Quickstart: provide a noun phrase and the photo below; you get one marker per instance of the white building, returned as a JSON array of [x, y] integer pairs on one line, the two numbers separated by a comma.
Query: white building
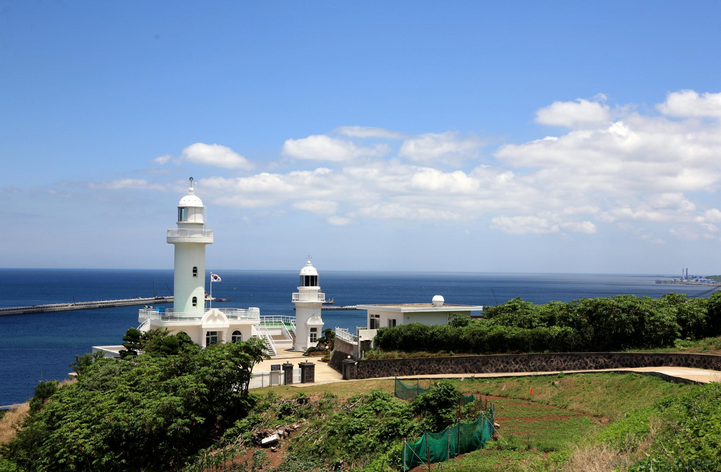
[[189, 314], [391, 315], [308, 302]]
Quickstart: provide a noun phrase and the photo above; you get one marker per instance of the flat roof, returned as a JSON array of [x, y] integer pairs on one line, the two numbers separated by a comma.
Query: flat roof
[[419, 307]]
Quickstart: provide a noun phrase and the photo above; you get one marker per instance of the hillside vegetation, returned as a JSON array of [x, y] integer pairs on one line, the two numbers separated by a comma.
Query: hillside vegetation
[[153, 411], [548, 423], [590, 325]]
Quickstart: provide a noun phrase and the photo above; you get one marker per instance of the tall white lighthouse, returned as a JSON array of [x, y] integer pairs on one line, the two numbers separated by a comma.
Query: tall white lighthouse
[[308, 301], [190, 239]]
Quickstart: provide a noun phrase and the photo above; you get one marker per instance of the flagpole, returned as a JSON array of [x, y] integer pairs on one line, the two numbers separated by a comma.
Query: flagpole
[[210, 302]]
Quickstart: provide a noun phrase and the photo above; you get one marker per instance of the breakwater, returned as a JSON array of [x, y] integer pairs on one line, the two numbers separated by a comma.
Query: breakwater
[[53, 307]]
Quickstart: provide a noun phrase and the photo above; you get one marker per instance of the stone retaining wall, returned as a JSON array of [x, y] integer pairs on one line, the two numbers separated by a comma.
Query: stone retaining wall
[[507, 363], [336, 360]]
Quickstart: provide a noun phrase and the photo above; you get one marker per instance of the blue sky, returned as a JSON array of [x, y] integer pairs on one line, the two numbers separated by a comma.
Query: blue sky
[[423, 136]]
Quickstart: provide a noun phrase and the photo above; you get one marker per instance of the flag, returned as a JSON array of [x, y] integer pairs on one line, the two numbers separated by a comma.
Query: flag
[[215, 278]]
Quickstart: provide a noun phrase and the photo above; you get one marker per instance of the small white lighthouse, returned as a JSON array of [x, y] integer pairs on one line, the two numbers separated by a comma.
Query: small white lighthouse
[[190, 239], [308, 301]]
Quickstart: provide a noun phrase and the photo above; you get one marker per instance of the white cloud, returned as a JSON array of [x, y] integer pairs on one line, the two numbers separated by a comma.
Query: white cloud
[[523, 225], [687, 103], [627, 213], [713, 215], [580, 227], [164, 159], [321, 207], [394, 211], [644, 174], [338, 221], [214, 155], [433, 147], [579, 114], [325, 148], [368, 132]]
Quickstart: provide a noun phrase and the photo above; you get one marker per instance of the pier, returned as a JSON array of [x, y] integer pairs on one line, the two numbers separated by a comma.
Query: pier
[[32, 309]]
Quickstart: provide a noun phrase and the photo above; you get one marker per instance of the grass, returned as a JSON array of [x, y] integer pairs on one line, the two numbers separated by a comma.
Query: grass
[[10, 420], [551, 429], [605, 395], [701, 346]]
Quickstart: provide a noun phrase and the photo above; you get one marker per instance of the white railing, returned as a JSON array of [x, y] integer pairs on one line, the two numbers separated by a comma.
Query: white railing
[[241, 313], [169, 315], [190, 233], [286, 332], [277, 320], [309, 297], [345, 335], [263, 331]]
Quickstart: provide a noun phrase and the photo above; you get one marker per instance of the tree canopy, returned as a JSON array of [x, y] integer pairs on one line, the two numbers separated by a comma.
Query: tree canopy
[[151, 411]]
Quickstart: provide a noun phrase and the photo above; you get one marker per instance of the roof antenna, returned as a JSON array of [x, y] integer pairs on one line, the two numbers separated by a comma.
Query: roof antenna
[[494, 296]]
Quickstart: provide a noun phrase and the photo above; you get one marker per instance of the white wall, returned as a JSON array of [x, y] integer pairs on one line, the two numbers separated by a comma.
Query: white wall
[[427, 318], [186, 286]]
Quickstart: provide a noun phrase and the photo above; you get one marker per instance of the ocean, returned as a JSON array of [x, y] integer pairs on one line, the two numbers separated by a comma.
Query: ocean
[[41, 347]]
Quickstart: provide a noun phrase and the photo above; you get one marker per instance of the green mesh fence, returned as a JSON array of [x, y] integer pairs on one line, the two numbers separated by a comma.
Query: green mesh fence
[[409, 392], [466, 399], [451, 442]]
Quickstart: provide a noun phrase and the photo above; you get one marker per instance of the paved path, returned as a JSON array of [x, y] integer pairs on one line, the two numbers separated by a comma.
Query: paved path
[[685, 373], [325, 374]]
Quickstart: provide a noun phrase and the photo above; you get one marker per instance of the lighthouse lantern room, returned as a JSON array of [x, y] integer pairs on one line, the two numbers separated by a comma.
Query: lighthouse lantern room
[[308, 302]]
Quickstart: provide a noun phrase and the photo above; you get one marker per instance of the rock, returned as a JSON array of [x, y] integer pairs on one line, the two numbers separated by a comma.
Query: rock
[[270, 440]]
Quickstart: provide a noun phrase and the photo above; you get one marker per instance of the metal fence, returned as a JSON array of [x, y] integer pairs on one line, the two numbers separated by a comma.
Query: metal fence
[[263, 379]]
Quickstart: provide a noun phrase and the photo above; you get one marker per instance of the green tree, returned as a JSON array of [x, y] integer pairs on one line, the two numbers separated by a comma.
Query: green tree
[[82, 363], [132, 343], [440, 406], [151, 414]]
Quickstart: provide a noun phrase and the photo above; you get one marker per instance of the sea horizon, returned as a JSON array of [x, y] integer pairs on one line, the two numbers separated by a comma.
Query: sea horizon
[[389, 272]]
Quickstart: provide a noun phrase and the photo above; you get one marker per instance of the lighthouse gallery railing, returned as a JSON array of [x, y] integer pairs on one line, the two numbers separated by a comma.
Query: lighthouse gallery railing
[[169, 315]]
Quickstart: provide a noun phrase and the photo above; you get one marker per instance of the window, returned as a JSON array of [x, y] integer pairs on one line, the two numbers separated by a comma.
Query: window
[[308, 280], [211, 337], [313, 335], [182, 214], [195, 271], [195, 301], [375, 322], [236, 336], [391, 322]]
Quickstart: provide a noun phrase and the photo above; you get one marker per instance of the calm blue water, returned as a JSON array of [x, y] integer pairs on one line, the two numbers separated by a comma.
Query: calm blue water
[[41, 347]]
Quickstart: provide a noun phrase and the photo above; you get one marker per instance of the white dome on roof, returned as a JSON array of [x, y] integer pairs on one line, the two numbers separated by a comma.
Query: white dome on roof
[[308, 269], [191, 200], [438, 300]]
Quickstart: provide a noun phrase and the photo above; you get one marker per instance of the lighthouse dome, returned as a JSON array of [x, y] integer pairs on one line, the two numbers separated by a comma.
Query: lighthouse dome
[[191, 200], [308, 269]]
